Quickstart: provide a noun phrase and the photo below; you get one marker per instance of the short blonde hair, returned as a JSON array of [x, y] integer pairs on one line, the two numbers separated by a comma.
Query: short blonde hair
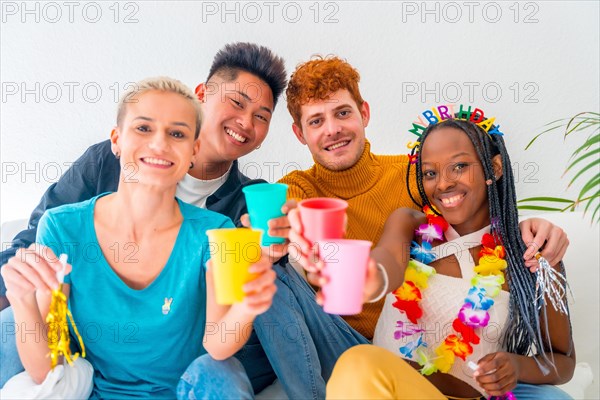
[[162, 84]]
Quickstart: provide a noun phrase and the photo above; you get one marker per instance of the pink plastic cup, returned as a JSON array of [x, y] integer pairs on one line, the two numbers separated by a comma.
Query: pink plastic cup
[[323, 218], [346, 264]]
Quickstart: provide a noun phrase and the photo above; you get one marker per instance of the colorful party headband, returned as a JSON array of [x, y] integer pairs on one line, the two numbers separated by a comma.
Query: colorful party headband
[[443, 112]]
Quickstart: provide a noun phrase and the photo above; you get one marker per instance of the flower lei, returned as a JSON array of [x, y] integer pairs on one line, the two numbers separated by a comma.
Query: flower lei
[[487, 284]]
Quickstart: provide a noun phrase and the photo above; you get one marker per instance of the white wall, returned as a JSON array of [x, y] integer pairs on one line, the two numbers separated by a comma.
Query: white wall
[[552, 60], [544, 57]]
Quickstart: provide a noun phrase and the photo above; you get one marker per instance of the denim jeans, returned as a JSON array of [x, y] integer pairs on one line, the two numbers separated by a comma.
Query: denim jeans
[[525, 391], [10, 363], [208, 379], [301, 341], [229, 379], [298, 340]]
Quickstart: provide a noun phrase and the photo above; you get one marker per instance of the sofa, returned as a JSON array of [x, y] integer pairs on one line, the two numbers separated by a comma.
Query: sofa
[[583, 271]]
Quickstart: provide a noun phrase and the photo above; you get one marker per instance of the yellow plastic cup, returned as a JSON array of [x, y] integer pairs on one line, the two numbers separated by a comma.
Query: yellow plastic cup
[[232, 251]]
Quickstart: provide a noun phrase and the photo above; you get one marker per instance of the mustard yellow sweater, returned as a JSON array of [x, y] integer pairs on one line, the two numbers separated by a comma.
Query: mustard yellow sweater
[[374, 187]]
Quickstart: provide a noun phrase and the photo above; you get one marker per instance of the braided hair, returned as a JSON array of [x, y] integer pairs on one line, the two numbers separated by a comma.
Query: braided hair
[[523, 334]]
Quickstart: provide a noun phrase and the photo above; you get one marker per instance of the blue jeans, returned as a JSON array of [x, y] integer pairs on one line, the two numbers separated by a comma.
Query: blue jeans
[[208, 379], [10, 363], [299, 342], [525, 391]]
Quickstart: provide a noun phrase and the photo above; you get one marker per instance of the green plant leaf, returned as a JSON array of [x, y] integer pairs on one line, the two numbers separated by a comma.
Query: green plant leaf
[[583, 157], [552, 199], [587, 121], [586, 124], [581, 171], [585, 127], [557, 120], [588, 143], [594, 215], [581, 115], [539, 208], [540, 134], [590, 201], [592, 121], [590, 185], [581, 118]]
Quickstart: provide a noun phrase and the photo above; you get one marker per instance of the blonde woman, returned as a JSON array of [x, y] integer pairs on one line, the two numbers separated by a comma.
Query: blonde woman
[[136, 280]]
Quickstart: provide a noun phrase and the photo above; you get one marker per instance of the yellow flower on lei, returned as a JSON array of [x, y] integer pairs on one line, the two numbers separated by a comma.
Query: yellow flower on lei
[[419, 278], [490, 265], [445, 358]]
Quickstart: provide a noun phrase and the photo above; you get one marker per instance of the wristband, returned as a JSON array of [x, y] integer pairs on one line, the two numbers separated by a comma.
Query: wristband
[[386, 283]]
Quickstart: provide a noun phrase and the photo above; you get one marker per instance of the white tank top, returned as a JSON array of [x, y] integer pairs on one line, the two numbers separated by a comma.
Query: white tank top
[[441, 302]]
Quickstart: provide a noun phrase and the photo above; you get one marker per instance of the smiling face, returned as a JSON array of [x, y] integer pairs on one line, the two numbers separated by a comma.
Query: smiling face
[[334, 130], [155, 138], [237, 115], [454, 181]]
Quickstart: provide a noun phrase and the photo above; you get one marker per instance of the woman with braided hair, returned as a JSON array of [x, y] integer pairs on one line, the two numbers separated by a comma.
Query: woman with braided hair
[[475, 321]]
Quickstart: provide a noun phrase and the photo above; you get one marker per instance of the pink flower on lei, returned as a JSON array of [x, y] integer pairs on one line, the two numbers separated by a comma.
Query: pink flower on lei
[[429, 233], [472, 317], [404, 330]]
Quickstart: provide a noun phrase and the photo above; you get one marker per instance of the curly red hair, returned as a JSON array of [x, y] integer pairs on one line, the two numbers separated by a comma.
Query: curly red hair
[[317, 79]]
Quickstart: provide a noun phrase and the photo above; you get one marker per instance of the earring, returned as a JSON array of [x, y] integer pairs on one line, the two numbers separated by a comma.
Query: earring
[[258, 147], [117, 155], [191, 165], [198, 94], [489, 181]]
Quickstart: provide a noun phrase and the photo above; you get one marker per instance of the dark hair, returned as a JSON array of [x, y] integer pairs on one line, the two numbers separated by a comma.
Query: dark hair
[[252, 58], [524, 333]]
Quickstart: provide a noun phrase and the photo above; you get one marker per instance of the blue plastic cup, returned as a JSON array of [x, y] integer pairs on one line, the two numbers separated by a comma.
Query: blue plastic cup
[[264, 201]]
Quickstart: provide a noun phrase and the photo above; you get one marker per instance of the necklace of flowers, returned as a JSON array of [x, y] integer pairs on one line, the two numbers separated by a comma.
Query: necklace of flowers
[[474, 313]]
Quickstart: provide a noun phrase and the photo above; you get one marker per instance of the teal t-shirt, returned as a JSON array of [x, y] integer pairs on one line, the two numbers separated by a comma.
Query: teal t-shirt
[[139, 341]]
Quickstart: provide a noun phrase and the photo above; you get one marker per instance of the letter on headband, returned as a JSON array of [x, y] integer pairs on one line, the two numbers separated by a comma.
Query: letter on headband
[[443, 112]]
